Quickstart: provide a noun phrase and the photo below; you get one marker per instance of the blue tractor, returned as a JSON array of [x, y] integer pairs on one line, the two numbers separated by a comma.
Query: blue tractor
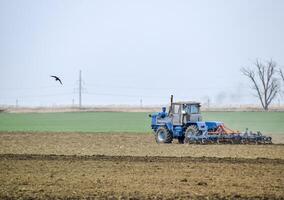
[[184, 122]]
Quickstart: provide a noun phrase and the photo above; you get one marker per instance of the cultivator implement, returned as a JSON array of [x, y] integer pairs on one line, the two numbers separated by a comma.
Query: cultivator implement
[[224, 135], [256, 138]]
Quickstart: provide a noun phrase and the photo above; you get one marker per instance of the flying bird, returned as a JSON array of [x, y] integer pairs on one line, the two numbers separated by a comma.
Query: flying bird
[[57, 79]]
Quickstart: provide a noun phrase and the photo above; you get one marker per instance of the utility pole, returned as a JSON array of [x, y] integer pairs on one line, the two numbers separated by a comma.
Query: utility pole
[[17, 103], [80, 89], [141, 103], [208, 102]]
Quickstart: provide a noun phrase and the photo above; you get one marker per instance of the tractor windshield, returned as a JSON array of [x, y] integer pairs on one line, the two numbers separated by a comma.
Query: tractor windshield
[[192, 109]]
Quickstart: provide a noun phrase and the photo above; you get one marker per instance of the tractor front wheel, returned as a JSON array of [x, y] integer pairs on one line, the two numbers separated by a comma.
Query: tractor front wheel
[[163, 135]]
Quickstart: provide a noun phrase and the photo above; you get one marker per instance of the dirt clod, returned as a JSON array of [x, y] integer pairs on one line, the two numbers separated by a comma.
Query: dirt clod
[[183, 180], [203, 183]]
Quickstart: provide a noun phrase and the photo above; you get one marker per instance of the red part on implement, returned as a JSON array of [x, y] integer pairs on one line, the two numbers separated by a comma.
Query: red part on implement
[[222, 129]]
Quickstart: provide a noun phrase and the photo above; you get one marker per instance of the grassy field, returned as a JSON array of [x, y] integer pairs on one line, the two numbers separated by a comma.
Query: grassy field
[[268, 122]]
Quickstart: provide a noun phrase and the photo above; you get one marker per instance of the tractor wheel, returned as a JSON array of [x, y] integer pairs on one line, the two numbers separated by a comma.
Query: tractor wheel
[[191, 130], [163, 135]]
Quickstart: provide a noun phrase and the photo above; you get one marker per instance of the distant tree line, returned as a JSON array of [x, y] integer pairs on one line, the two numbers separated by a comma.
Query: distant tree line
[[266, 79]]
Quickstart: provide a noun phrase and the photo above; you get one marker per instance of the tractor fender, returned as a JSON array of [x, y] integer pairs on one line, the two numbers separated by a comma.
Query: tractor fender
[[201, 126], [170, 126]]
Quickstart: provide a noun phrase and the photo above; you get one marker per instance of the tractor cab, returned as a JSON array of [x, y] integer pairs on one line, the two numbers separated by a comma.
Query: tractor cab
[[185, 112]]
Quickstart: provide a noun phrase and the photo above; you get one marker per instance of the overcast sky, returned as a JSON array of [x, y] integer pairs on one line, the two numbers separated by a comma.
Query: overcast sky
[[128, 50]]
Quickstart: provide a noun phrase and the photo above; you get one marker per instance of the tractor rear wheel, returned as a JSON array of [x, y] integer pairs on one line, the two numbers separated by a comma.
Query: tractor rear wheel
[[163, 135], [191, 130]]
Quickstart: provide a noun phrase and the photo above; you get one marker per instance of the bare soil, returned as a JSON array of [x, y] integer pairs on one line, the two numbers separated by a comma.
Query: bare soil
[[124, 166], [124, 144]]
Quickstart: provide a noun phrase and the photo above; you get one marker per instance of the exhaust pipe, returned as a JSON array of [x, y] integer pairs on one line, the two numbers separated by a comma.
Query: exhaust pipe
[[172, 98]]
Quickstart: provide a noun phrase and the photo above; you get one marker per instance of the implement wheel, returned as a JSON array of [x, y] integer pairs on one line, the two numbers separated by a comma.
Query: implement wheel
[[268, 140], [162, 135], [190, 131]]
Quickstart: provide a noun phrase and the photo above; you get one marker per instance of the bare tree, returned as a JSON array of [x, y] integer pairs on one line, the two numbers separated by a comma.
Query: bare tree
[[282, 83], [281, 74], [265, 82]]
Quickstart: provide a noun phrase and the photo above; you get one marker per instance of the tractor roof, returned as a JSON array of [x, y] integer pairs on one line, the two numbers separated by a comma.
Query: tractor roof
[[186, 102]]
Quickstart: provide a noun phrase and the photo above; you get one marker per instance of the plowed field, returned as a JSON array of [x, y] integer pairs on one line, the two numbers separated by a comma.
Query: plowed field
[[129, 166]]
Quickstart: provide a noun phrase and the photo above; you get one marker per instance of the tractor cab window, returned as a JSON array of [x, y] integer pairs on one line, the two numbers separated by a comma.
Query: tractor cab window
[[194, 109], [176, 109], [187, 109], [191, 109]]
